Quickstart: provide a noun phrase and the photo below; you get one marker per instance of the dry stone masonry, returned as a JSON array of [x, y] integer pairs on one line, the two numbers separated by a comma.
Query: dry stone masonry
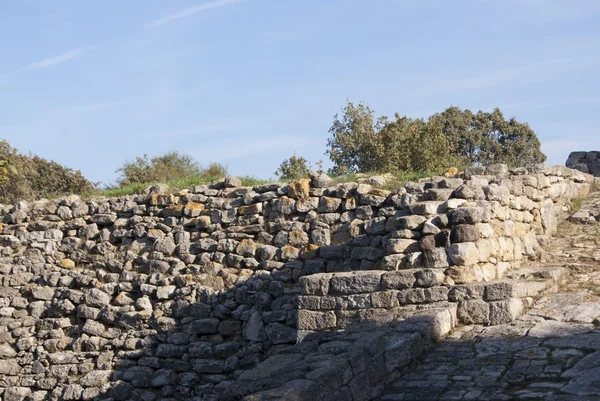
[[201, 294], [551, 353], [588, 162]]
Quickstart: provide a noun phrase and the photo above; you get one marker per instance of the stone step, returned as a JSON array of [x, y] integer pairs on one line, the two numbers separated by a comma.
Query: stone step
[[335, 301], [354, 364]]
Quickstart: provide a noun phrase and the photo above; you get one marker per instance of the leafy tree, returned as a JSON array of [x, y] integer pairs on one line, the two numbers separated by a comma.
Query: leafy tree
[[26, 177], [414, 145], [355, 143], [5, 170], [486, 138], [359, 142]]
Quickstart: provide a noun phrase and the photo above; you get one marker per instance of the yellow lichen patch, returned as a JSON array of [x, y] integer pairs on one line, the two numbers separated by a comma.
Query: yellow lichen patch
[[67, 264], [173, 210], [246, 247], [163, 199], [309, 251], [250, 209], [203, 221], [193, 209], [298, 238], [289, 252], [328, 204], [379, 192], [155, 233], [299, 189], [452, 172], [1, 227]]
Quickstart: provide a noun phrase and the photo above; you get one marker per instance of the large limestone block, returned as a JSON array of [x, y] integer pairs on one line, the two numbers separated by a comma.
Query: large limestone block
[[463, 254], [465, 233], [316, 321], [356, 282], [398, 279], [399, 245], [436, 258], [473, 312], [299, 189], [469, 215], [315, 284], [505, 311]]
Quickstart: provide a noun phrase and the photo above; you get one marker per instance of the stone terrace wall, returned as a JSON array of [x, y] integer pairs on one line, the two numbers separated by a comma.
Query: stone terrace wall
[[451, 253], [159, 295], [588, 162]]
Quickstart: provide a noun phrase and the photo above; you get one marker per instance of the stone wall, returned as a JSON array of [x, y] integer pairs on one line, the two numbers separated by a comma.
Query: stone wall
[[174, 296], [588, 162]]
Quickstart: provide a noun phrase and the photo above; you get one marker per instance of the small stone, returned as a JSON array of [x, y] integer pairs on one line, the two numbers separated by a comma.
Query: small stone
[[255, 329]]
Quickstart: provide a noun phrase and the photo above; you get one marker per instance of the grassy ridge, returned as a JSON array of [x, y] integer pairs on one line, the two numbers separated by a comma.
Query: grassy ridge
[[394, 183], [174, 186]]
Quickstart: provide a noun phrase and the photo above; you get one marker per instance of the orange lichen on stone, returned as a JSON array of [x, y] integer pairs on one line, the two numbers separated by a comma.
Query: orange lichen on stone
[[310, 251], [452, 172], [250, 209], [163, 199], [193, 209], [299, 189], [298, 238], [289, 252], [379, 192]]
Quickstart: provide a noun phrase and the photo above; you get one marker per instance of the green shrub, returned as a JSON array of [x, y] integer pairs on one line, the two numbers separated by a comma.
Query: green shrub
[[168, 167], [214, 170], [296, 167], [27, 177], [293, 168]]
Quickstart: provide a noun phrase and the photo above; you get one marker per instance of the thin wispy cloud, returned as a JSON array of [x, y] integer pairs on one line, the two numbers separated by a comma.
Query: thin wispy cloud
[[526, 73], [56, 60], [191, 11]]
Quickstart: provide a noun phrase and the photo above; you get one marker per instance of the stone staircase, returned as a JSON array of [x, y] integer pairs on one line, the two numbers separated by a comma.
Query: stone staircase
[[393, 334], [335, 301], [552, 352], [360, 329]]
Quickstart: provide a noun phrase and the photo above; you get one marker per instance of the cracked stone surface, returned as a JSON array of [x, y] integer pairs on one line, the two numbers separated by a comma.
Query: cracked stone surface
[[551, 353]]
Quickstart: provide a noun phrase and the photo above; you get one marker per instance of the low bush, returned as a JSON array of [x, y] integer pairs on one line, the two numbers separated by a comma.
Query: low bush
[[28, 177]]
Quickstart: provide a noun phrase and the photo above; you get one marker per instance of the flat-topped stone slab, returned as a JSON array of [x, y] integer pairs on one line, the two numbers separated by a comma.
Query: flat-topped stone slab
[[354, 364]]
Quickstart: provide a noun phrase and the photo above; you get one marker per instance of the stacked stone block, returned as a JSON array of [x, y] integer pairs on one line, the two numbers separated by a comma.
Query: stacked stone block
[[176, 295], [588, 162]]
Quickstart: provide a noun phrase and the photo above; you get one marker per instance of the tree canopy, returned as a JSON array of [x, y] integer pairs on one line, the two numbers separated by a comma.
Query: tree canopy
[[359, 142]]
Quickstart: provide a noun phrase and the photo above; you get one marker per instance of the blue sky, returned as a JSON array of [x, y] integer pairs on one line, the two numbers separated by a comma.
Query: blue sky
[[92, 83]]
